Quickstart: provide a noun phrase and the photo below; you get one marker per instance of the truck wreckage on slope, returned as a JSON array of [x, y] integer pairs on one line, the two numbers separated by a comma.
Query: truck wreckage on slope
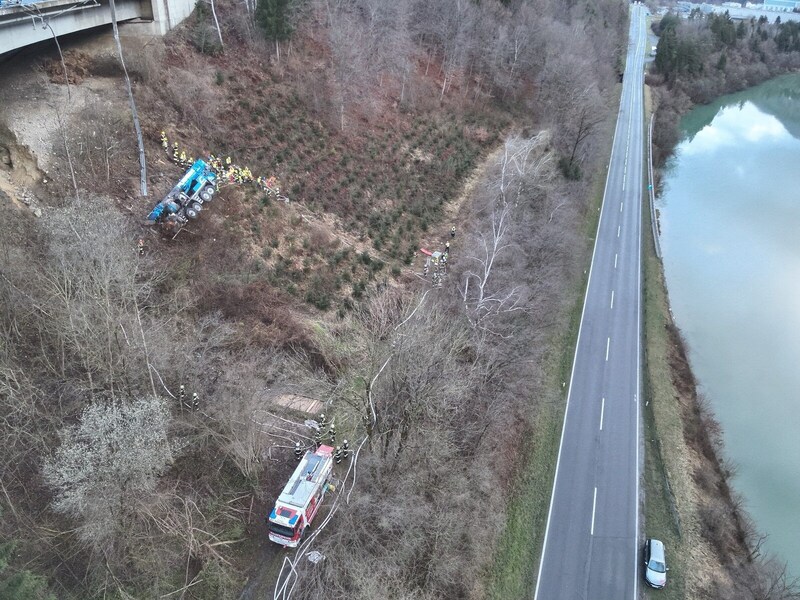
[[199, 184], [186, 199]]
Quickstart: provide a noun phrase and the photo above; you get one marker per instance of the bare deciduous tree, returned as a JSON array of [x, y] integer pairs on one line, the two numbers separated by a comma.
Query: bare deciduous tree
[[349, 48], [216, 24], [91, 291], [520, 165], [771, 580], [481, 302], [572, 98], [513, 49]]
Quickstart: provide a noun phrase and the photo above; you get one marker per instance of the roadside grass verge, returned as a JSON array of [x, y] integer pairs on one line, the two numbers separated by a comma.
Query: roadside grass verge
[[664, 481], [517, 555], [519, 549]]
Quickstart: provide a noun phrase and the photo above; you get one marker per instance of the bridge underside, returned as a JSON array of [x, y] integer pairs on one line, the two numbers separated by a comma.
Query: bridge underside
[[22, 25]]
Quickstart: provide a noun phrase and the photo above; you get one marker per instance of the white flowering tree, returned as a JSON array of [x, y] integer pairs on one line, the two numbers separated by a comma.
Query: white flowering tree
[[108, 464]]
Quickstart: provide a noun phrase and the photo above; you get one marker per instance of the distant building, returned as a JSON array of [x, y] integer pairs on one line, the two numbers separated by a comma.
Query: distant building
[[781, 5], [752, 10]]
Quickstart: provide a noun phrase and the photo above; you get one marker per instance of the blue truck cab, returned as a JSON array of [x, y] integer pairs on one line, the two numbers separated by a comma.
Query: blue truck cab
[[185, 200]]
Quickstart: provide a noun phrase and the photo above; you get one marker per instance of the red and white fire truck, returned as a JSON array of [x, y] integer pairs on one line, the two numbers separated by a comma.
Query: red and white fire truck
[[301, 498]]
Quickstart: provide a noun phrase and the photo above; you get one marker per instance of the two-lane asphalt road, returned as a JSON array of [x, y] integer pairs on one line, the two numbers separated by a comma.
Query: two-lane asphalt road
[[591, 543]]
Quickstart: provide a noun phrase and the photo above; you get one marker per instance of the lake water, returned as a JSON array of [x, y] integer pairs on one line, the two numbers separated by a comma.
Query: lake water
[[730, 224]]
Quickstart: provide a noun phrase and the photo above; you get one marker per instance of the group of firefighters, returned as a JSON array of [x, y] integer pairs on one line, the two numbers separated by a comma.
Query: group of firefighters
[[225, 170], [438, 261], [340, 452], [193, 404]]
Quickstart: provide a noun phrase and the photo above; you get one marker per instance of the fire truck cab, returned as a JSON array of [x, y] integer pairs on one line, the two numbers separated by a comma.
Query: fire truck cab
[[301, 498]]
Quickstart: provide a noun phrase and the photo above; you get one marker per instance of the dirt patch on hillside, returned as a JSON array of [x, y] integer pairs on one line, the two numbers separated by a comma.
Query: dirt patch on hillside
[[16, 161], [38, 108], [77, 65], [304, 404], [19, 173]]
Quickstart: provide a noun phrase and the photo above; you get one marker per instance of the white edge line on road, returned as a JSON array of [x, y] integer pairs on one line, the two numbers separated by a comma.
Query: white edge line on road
[[608, 346], [612, 299], [574, 360], [602, 412], [594, 506]]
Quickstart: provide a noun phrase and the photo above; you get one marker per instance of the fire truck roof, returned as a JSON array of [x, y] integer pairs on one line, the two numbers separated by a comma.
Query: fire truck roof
[[305, 479]]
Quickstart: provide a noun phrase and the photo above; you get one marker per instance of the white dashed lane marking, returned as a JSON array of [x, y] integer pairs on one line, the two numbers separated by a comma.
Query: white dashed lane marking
[[602, 412]]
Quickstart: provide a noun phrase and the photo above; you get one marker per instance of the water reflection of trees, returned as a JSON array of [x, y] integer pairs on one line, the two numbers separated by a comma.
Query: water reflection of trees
[[779, 97]]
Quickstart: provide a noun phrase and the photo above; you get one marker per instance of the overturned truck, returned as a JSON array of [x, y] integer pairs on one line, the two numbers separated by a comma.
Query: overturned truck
[[186, 199]]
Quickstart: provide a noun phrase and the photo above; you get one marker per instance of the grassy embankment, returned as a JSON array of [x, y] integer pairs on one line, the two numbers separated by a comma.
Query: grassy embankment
[[663, 426], [662, 422]]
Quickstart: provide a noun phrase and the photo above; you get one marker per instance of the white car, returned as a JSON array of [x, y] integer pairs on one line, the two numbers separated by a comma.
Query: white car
[[655, 564]]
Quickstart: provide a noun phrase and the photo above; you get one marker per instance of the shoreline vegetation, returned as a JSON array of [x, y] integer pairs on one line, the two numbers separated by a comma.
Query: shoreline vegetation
[[703, 57], [716, 548]]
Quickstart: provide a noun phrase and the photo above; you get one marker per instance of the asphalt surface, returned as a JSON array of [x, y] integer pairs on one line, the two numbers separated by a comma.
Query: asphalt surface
[[591, 545]]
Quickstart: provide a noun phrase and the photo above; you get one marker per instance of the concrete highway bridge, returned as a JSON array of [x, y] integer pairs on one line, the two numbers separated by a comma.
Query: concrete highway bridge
[[25, 22]]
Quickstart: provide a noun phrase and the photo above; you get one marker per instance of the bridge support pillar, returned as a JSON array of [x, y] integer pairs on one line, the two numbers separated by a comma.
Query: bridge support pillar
[[168, 14]]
